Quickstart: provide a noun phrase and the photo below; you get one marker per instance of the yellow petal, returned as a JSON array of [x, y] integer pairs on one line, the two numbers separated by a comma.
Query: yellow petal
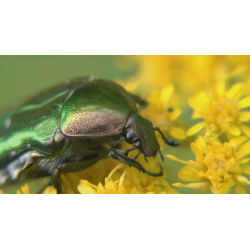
[[195, 164], [240, 189], [84, 189], [241, 154], [200, 142], [234, 130], [197, 151], [211, 140], [196, 128], [245, 129], [200, 102], [244, 160], [220, 88], [245, 147], [244, 116], [110, 187], [224, 189], [242, 180], [236, 141], [174, 158], [50, 190], [188, 173], [196, 115], [171, 191], [243, 150], [100, 189], [233, 91], [87, 183], [174, 114], [25, 189], [195, 185], [134, 191], [166, 94], [243, 103], [178, 184], [177, 133], [1, 191], [245, 169]]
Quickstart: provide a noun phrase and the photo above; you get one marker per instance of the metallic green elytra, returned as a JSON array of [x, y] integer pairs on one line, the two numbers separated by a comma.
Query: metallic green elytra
[[72, 126]]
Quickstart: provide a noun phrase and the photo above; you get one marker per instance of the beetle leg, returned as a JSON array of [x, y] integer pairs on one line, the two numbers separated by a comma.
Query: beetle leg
[[170, 142], [71, 167], [12, 170], [137, 155], [161, 155], [132, 163], [129, 150]]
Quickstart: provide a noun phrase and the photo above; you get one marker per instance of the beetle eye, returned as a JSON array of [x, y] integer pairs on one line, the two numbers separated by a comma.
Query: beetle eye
[[130, 138]]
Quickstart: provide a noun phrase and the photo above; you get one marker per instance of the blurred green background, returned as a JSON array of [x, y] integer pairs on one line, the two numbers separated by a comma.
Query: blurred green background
[[23, 76]]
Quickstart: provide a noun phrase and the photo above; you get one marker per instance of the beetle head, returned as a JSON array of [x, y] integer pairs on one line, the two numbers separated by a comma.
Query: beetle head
[[140, 132]]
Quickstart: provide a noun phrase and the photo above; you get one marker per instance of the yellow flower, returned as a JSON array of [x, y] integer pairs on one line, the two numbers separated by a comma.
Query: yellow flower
[[50, 190], [130, 182], [147, 184], [160, 112], [1, 191], [189, 74], [93, 174], [24, 190], [110, 187], [218, 166], [221, 110]]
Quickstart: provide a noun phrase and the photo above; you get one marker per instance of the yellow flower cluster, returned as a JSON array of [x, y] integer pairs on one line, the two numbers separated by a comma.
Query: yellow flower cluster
[[130, 182], [189, 74], [217, 89], [222, 111], [218, 166]]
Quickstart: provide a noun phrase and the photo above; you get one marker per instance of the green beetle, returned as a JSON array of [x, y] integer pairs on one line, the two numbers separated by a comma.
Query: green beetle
[[71, 127]]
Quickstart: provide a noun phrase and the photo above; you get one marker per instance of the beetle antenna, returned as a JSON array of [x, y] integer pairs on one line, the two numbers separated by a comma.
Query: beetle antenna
[[145, 158], [161, 155], [170, 142]]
